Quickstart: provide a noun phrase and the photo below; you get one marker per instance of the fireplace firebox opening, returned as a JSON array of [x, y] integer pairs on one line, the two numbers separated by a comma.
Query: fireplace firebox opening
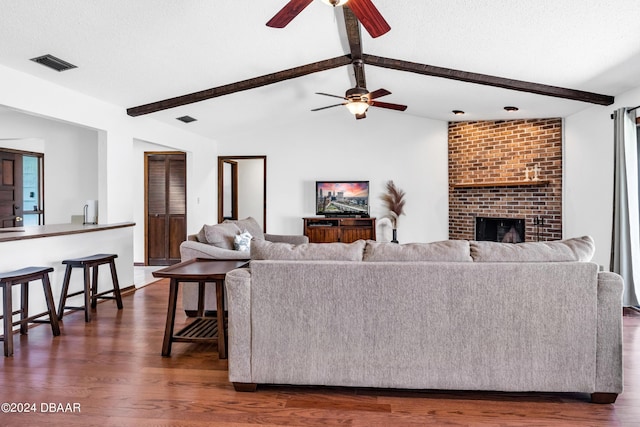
[[505, 230]]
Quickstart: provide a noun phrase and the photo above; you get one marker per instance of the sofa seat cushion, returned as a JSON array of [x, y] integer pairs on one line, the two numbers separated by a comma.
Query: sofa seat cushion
[[220, 235], [575, 249], [265, 250], [448, 250]]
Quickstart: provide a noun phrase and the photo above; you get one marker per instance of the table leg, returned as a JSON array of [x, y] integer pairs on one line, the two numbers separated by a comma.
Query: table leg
[[200, 299], [222, 336], [171, 317]]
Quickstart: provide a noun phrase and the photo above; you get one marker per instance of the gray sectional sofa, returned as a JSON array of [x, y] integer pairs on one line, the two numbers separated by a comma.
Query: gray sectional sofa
[[455, 315], [219, 241]]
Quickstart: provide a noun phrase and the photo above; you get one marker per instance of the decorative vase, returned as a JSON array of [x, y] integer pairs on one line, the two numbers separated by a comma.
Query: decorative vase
[[395, 236]]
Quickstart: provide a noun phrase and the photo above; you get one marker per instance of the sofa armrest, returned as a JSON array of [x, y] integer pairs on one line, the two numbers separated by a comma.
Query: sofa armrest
[[609, 334], [284, 238], [238, 288], [190, 250]]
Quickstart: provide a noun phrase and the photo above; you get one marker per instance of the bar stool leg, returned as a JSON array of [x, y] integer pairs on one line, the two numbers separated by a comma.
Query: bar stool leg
[[7, 320], [65, 290], [48, 294], [24, 308], [87, 294], [94, 286], [116, 284]]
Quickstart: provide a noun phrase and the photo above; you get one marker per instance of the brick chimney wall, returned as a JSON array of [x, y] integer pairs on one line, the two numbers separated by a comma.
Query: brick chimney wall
[[487, 162]]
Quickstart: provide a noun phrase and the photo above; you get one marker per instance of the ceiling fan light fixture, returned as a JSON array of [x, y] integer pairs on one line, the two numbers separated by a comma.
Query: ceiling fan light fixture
[[335, 3], [458, 112], [510, 109], [357, 107]]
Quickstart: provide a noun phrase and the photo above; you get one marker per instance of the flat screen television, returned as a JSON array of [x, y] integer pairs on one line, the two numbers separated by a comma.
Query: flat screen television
[[342, 198]]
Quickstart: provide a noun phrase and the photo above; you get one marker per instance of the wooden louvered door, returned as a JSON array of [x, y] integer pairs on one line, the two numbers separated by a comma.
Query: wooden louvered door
[[166, 206]]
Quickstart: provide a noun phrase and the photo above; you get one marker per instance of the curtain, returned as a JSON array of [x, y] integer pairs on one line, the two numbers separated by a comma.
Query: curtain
[[625, 242]]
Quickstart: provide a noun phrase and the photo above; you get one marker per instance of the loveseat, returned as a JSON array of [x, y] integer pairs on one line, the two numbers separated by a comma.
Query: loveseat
[[227, 240], [453, 315]]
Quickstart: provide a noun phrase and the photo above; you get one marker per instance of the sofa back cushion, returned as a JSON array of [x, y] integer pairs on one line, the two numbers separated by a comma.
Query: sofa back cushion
[[265, 250], [220, 235], [249, 224], [576, 249], [448, 250]]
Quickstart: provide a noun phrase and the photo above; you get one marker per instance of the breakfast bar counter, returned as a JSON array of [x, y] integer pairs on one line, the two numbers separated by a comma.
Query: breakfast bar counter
[[38, 231], [49, 245]]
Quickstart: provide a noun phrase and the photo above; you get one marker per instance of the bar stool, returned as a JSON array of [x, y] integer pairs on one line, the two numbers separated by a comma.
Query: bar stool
[[23, 277], [90, 265]]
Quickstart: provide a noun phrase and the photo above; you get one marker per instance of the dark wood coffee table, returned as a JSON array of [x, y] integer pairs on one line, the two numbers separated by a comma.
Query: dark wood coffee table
[[202, 328]]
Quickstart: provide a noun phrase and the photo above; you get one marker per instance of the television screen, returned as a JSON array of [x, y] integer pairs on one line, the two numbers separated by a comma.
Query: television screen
[[346, 198]]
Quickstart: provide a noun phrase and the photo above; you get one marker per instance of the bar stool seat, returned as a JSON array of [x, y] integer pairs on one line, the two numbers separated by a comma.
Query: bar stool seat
[[90, 266], [23, 277]]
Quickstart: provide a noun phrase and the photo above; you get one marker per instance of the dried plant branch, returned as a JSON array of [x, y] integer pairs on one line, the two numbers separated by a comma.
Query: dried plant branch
[[394, 201]]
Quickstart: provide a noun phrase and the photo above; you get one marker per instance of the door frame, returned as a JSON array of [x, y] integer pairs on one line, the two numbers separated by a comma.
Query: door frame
[[234, 189], [19, 211]]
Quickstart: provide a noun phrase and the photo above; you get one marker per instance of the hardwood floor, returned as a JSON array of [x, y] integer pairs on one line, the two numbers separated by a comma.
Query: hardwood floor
[[112, 370]]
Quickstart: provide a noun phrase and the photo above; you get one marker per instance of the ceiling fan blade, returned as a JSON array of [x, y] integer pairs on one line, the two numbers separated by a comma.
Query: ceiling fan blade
[[397, 107], [369, 17], [379, 93], [361, 116], [328, 106], [287, 13], [328, 94]]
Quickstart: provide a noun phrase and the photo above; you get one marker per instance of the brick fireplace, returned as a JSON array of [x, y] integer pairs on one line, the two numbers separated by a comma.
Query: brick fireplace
[[506, 170]]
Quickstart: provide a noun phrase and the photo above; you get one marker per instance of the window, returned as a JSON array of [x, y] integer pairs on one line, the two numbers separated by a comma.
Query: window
[[33, 210]]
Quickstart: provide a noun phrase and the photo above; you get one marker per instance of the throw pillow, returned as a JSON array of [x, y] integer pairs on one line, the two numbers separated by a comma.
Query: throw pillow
[[201, 236], [250, 224], [445, 251], [263, 250], [242, 241], [221, 235], [575, 249]]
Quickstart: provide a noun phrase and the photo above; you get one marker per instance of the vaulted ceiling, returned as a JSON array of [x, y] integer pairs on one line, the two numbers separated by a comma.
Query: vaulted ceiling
[[131, 53]]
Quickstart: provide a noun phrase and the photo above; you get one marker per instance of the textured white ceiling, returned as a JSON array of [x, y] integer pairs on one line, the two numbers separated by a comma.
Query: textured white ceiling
[[135, 52]]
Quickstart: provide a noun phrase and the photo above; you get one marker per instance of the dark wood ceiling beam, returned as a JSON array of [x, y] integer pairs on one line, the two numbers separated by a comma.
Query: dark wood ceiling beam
[[353, 33], [352, 26], [488, 80], [252, 83]]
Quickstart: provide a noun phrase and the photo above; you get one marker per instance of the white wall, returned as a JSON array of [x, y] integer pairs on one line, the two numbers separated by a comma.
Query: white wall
[[411, 151], [71, 161], [117, 160], [251, 189], [588, 185]]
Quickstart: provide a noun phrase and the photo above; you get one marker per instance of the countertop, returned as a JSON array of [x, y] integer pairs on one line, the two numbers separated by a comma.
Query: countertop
[[39, 231]]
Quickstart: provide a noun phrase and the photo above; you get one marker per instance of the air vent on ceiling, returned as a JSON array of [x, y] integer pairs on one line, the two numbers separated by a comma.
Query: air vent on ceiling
[[53, 62], [186, 119]]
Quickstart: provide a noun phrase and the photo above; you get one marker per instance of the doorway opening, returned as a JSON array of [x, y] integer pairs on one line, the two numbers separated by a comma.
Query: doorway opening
[[242, 188]]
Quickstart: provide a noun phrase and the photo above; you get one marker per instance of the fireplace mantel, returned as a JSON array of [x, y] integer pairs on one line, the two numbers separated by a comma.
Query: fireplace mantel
[[529, 183]]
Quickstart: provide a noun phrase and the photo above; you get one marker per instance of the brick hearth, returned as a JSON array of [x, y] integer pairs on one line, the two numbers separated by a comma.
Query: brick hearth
[[487, 162]]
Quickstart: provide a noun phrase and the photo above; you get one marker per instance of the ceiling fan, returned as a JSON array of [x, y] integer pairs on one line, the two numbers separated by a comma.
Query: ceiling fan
[[359, 99], [364, 10]]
